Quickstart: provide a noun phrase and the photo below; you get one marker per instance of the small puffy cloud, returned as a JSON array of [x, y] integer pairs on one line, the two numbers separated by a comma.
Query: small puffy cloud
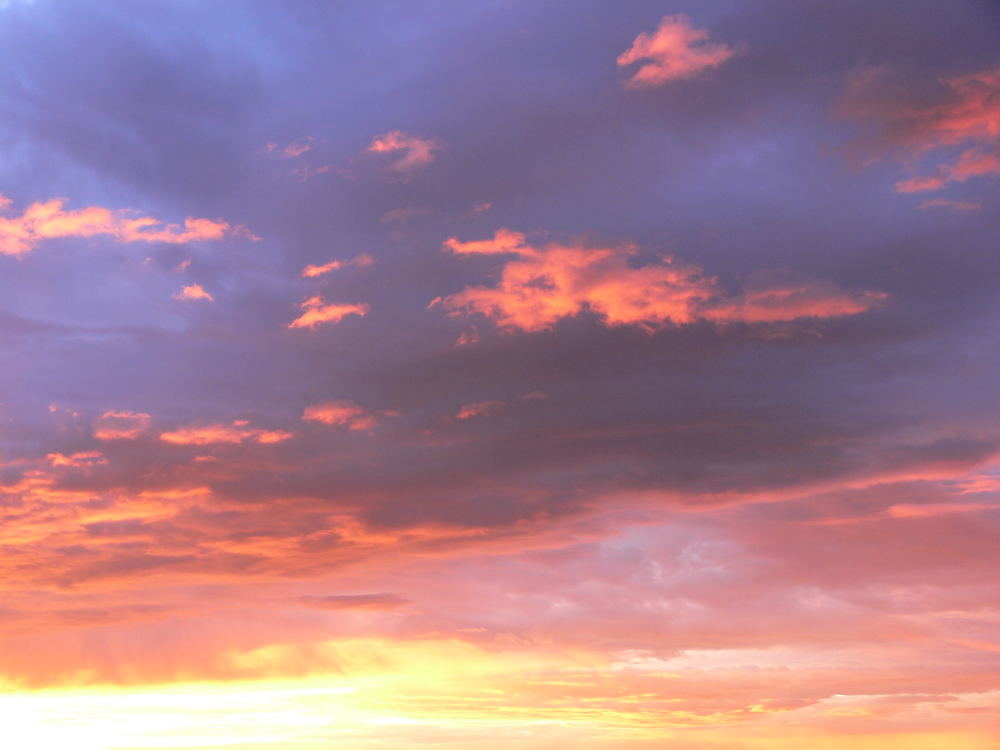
[[236, 432], [193, 292], [358, 261], [539, 286], [960, 113], [316, 311], [341, 413], [478, 409], [50, 220], [676, 50], [121, 425], [414, 152]]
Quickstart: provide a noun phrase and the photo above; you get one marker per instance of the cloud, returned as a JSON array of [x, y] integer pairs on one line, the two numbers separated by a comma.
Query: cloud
[[416, 152], [82, 459], [121, 425], [782, 296], [209, 434], [49, 220], [343, 413], [317, 311], [915, 119], [293, 149], [193, 292], [359, 261], [354, 601], [542, 285], [959, 206], [676, 50], [478, 409]]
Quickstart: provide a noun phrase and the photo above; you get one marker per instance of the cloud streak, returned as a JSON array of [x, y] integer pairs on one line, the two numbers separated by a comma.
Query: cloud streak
[[540, 286], [47, 220]]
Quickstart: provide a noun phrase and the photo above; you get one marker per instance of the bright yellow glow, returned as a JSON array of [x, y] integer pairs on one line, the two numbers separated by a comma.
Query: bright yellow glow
[[379, 693]]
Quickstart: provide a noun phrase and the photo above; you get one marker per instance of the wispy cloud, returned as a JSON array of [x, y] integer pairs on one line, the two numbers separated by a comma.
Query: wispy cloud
[[236, 432], [50, 220], [415, 153], [915, 121], [121, 425], [316, 311], [359, 261]]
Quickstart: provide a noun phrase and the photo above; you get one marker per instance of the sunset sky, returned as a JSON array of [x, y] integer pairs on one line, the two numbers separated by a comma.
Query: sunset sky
[[500, 374]]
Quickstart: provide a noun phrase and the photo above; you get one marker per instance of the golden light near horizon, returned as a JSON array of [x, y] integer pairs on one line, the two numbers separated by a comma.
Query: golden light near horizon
[[387, 374]]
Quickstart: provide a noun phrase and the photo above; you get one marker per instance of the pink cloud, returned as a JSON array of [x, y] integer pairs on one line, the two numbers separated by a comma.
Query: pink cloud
[[49, 220], [193, 292], [478, 409], [359, 261], [540, 285], [237, 432], [781, 296], [297, 147], [316, 311], [676, 50], [121, 425], [415, 152], [341, 413], [963, 111]]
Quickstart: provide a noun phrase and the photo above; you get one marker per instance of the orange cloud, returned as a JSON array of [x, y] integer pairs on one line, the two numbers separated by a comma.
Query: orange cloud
[[780, 296], [541, 285], [344, 413], [83, 459], [312, 271], [49, 220], [964, 112], [316, 311], [237, 432], [416, 152], [676, 50], [193, 292], [121, 425]]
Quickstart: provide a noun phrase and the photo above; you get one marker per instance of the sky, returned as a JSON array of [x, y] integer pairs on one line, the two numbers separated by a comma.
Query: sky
[[500, 375]]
